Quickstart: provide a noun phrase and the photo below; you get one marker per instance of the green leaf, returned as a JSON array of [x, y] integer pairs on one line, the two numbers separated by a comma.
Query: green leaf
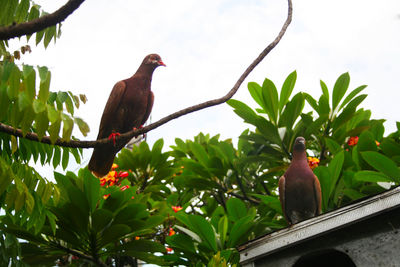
[[348, 112], [287, 89], [45, 77], [268, 130], [366, 142], [190, 233], [332, 145], [323, 106], [53, 114], [41, 124], [91, 187], [101, 218], [352, 95], [292, 111], [390, 147], [324, 89], [6, 176], [69, 105], [223, 229], [29, 81], [371, 176], [270, 100], [50, 33], [339, 89], [54, 129], [240, 231], [83, 126], [23, 101], [68, 125], [56, 156], [382, 164], [313, 103], [204, 230], [256, 93], [353, 194], [200, 153], [244, 111], [324, 178], [143, 246], [33, 13], [14, 80], [182, 242], [65, 158], [236, 209], [271, 201], [335, 168], [22, 11], [114, 233], [29, 202]]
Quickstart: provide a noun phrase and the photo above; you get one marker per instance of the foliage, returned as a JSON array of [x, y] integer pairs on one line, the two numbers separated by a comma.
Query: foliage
[[191, 205]]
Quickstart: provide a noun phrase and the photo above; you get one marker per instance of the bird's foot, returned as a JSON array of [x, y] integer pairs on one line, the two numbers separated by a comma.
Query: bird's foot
[[140, 127], [113, 136]]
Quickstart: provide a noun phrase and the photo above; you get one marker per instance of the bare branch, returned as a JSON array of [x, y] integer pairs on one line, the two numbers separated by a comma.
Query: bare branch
[[128, 135], [41, 23]]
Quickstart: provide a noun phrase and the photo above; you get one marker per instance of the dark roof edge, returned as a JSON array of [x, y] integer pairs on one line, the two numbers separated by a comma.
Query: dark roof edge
[[319, 225]]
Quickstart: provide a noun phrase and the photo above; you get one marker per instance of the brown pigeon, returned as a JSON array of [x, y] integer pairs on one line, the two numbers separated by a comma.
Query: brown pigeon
[[299, 188], [128, 107]]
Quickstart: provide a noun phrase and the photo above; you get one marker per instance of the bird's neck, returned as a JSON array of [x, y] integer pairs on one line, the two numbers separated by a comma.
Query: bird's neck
[[299, 156], [146, 70]]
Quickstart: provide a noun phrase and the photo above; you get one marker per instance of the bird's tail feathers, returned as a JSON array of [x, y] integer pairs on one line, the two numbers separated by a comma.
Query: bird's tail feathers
[[101, 162]]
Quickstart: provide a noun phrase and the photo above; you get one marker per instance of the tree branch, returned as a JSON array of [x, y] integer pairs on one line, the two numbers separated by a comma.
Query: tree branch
[[41, 23], [128, 135]]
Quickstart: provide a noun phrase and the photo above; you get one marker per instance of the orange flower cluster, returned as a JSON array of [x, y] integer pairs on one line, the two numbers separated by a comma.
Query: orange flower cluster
[[113, 177], [176, 208], [353, 140], [313, 162], [171, 231]]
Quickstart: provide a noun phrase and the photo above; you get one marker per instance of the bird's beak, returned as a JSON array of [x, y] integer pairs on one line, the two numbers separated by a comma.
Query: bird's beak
[[160, 63]]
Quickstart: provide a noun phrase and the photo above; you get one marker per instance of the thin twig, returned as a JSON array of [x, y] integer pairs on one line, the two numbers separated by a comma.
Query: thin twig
[[129, 135], [41, 23], [254, 201]]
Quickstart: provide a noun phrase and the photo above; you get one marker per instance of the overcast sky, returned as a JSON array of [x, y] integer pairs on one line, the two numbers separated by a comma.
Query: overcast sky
[[208, 44]]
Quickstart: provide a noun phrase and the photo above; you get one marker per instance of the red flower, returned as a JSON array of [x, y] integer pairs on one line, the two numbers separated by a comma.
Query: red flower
[[171, 232], [377, 143], [313, 162], [124, 187], [176, 208], [169, 249], [106, 196], [352, 141], [123, 174]]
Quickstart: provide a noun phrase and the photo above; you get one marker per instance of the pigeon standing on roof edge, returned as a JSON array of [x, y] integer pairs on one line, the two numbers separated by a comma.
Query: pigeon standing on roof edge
[[299, 188]]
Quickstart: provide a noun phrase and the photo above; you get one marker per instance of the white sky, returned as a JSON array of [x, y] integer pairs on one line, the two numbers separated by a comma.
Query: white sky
[[208, 44]]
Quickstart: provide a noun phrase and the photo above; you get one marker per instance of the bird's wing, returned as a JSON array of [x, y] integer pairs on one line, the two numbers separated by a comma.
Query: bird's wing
[[110, 110], [150, 102], [282, 195], [317, 193]]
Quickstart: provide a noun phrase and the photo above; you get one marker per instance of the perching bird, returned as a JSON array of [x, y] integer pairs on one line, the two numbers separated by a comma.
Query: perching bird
[[299, 188], [128, 106]]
